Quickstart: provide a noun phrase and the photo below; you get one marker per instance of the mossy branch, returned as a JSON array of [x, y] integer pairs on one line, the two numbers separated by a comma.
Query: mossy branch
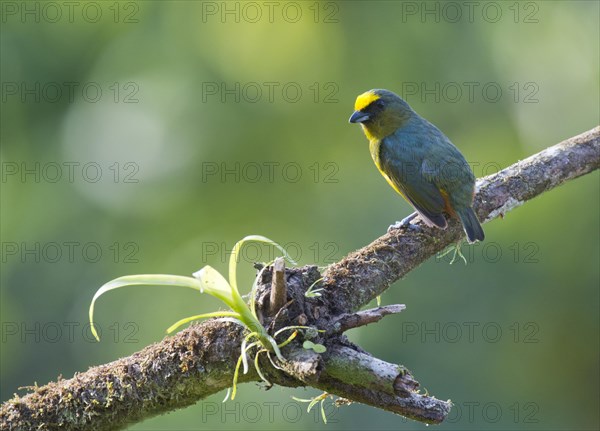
[[200, 360]]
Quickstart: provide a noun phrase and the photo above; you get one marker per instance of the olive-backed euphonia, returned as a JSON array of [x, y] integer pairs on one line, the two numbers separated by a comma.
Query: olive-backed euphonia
[[418, 161]]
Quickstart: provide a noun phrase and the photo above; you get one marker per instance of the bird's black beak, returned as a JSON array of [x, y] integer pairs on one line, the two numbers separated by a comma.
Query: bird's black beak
[[358, 117]]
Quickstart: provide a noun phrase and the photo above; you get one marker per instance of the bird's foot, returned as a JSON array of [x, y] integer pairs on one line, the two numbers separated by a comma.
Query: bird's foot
[[405, 223]]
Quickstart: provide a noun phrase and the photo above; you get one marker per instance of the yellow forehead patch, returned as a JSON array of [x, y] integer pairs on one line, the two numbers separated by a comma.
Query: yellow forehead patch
[[365, 100]]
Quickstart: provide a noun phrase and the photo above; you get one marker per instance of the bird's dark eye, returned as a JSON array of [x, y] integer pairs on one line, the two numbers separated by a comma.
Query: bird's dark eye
[[379, 103]]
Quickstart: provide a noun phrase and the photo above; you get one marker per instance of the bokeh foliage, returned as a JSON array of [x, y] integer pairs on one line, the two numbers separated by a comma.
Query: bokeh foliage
[[208, 172]]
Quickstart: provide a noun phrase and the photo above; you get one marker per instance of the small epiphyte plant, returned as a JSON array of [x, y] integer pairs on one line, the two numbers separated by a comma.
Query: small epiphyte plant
[[457, 252], [313, 402], [208, 280], [311, 292], [318, 348]]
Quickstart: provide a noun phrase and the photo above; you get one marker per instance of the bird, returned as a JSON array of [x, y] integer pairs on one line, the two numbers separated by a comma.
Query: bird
[[418, 161]]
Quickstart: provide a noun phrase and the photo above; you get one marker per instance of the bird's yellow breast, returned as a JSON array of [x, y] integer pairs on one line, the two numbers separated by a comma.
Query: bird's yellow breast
[[375, 148], [371, 136]]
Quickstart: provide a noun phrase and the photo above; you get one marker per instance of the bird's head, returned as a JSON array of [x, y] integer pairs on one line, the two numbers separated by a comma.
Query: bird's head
[[380, 113]]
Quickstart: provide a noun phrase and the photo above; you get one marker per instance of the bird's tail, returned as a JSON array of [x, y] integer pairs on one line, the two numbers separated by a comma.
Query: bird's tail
[[471, 224]]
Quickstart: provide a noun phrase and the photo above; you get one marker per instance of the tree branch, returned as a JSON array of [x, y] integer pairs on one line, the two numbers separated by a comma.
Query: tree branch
[[366, 273], [349, 321], [199, 361]]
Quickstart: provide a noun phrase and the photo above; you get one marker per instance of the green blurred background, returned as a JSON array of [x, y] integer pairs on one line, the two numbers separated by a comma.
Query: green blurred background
[[148, 137]]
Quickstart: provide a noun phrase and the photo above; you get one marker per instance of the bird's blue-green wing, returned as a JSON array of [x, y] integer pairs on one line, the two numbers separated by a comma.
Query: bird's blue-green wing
[[405, 174]]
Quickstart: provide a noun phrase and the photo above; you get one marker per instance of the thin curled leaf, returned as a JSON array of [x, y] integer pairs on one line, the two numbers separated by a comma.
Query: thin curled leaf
[[236, 374], [257, 366], [302, 400], [323, 415], [137, 280], [276, 349], [273, 362], [227, 394], [240, 360], [236, 250], [288, 328], [245, 348], [312, 403]]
